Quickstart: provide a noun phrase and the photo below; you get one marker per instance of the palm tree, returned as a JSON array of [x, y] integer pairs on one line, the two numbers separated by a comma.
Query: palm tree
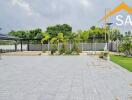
[[60, 37], [46, 38], [115, 35]]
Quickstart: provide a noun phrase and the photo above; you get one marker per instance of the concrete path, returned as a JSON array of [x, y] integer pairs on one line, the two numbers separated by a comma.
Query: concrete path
[[63, 78]]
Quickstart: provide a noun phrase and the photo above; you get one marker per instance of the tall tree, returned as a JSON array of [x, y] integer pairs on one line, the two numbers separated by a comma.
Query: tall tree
[[60, 37], [35, 34], [115, 34], [46, 38], [31, 34], [84, 35], [54, 30]]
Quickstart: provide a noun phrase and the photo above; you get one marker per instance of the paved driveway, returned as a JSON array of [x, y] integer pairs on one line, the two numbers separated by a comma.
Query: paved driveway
[[63, 78]]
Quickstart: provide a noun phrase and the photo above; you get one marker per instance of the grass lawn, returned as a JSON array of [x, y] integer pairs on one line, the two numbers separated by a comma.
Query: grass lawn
[[122, 61]]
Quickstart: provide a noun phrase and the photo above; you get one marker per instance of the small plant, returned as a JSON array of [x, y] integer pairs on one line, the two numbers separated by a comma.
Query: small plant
[[120, 49], [75, 49], [63, 49], [126, 47], [68, 52], [53, 49]]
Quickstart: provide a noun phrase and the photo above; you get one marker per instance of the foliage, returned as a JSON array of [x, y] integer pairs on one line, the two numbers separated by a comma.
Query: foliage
[[54, 45], [45, 38], [60, 37], [96, 32], [68, 52], [115, 34], [31, 34], [54, 40], [128, 34], [54, 30], [35, 34], [121, 48], [20, 34], [63, 34], [75, 49], [63, 49], [126, 46], [84, 35], [53, 49]]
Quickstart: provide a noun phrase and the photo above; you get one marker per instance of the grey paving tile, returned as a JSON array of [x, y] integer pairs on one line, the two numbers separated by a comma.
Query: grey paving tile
[[63, 78]]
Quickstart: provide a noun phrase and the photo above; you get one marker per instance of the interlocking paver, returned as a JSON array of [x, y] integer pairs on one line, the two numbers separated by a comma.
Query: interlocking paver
[[63, 78]]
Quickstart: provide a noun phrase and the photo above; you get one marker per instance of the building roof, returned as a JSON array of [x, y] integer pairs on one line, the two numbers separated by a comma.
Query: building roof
[[7, 37]]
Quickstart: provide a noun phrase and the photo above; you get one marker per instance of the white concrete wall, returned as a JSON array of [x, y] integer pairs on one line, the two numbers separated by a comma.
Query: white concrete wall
[[12, 47]]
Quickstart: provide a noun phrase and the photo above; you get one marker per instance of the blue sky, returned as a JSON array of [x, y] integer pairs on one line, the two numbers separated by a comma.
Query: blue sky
[[30, 14]]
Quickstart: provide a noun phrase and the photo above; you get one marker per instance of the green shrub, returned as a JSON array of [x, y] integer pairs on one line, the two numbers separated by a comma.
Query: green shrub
[[126, 46], [75, 49], [53, 49], [68, 52], [63, 49]]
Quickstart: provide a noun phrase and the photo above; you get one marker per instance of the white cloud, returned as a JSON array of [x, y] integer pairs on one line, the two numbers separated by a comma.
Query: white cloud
[[24, 5], [81, 14], [86, 3]]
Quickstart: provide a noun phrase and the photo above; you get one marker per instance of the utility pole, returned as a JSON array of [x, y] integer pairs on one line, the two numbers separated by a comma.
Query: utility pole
[[107, 32], [0, 49], [107, 10], [108, 41]]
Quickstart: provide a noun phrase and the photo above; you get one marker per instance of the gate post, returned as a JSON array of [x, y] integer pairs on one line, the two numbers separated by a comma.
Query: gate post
[[15, 45], [70, 45], [48, 45], [21, 45], [28, 45], [58, 45], [82, 46]]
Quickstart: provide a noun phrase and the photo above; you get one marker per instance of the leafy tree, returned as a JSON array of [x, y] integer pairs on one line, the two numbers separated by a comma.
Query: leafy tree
[[126, 46], [60, 37], [20, 34], [96, 32], [35, 34], [54, 45], [31, 34], [84, 35], [54, 30], [71, 36], [46, 38], [115, 34], [63, 48], [128, 34], [54, 40]]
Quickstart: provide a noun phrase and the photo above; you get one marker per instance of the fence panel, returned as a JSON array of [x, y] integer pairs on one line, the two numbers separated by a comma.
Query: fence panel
[[35, 47], [81, 46]]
